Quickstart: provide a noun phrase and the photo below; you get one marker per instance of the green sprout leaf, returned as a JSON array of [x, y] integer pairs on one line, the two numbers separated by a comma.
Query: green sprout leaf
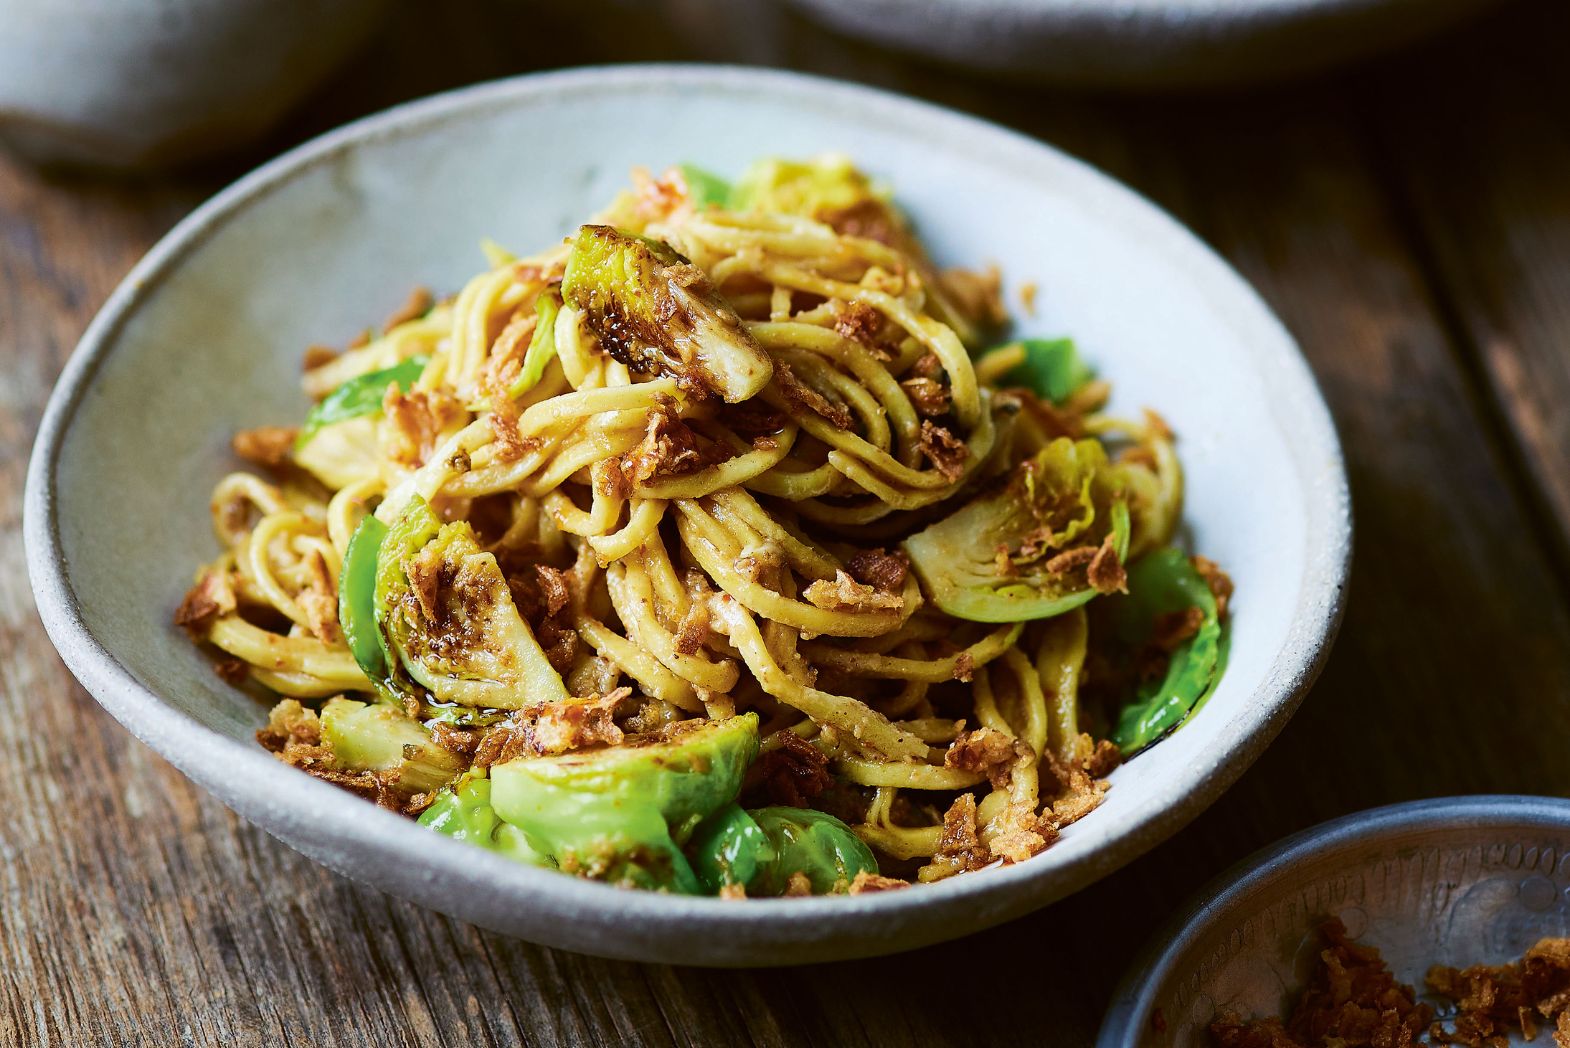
[[762, 849], [1163, 583], [707, 188], [1052, 369], [542, 346], [361, 395], [357, 598]]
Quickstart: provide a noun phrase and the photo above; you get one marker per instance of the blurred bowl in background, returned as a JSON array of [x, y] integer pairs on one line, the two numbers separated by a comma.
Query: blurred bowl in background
[[139, 83], [1140, 43]]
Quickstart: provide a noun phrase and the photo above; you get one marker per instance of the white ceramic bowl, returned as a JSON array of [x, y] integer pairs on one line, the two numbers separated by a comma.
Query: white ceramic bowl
[[1454, 881], [205, 336], [1141, 43]]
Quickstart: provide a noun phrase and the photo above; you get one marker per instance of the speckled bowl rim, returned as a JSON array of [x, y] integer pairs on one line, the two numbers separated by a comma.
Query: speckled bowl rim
[[618, 923], [1227, 896]]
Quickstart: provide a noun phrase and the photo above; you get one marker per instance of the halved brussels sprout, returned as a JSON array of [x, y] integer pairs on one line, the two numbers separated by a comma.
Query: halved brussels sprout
[[761, 849], [654, 310], [994, 559], [621, 814], [448, 618], [383, 738], [464, 813], [1165, 583]]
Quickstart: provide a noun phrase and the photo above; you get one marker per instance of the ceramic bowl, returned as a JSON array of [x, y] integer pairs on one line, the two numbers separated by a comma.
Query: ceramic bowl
[[205, 336], [130, 83], [1141, 43], [1454, 881]]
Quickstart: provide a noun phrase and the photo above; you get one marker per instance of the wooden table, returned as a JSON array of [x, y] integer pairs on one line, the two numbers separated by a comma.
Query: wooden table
[[1410, 222]]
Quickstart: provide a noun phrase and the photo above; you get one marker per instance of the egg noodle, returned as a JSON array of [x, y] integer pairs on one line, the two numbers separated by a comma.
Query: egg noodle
[[699, 461]]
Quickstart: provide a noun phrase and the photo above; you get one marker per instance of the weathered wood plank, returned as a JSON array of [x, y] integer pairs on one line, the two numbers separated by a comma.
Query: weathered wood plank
[[1491, 217], [134, 909]]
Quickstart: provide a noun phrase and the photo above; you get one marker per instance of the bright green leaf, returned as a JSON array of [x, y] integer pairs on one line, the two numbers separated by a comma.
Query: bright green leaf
[[361, 395], [1162, 583], [707, 189], [1052, 369]]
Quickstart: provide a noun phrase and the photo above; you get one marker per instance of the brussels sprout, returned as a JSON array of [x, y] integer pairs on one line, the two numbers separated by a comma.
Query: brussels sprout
[[464, 813], [446, 613], [361, 395], [763, 848], [810, 842], [621, 814], [652, 309], [1163, 583], [384, 738], [1067, 494], [726, 849], [1052, 368], [542, 347]]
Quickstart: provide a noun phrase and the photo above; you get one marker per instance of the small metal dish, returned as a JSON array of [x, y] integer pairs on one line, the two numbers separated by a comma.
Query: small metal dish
[[1454, 881]]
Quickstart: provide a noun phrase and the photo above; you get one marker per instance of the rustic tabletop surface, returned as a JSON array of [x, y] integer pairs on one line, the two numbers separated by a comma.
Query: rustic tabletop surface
[[1410, 222]]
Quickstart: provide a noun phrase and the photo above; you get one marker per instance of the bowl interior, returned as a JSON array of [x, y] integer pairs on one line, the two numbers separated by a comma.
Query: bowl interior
[[1450, 882], [206, 337]]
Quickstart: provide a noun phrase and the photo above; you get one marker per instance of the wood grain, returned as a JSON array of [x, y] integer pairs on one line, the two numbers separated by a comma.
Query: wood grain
[[1490, 217], [1408, 223]]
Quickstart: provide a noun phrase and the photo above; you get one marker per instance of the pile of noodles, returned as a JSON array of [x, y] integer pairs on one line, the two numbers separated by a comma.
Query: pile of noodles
[[724, 588]]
